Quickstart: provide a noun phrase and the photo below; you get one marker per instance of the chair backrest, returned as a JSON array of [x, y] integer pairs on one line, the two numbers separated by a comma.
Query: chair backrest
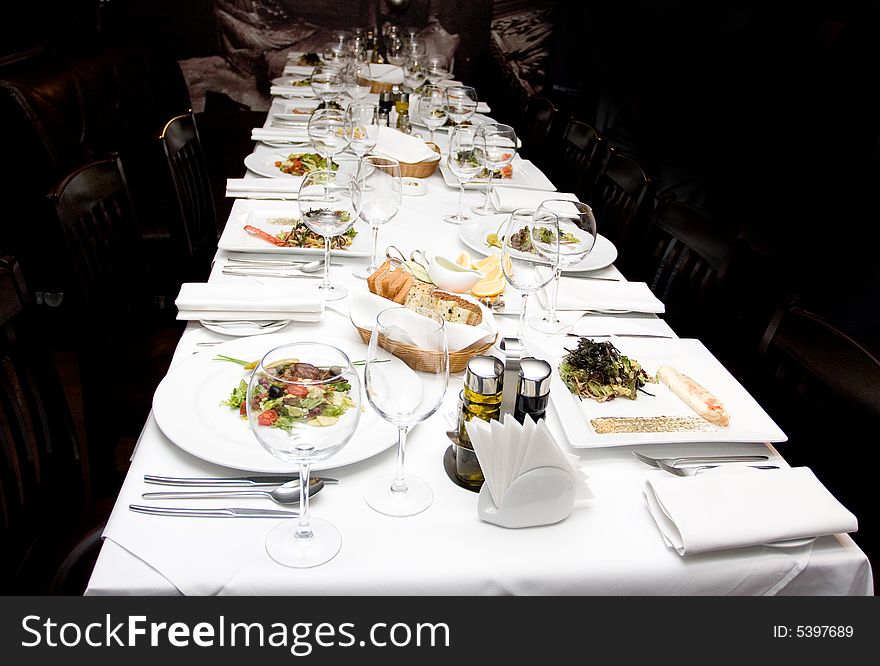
[[621, 199], [686, 258], [540, 123], [40, 454], [580, 158], [189, 175]]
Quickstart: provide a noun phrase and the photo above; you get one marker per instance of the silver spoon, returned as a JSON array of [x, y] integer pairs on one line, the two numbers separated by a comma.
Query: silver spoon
[[287, 493]]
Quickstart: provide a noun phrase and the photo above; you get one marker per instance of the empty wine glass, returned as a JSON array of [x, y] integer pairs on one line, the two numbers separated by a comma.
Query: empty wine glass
[[413, 73], [432, 108], [463, 164], [436, 68], [395, 51], [495, 147], [330, 131], [378, 200], [405, 391], [577, 236], [327, 206], [528, 257], [357, 81], [328, 81], [364, 129], [335, 54], [416, 46], [303, 405], [461, 103]]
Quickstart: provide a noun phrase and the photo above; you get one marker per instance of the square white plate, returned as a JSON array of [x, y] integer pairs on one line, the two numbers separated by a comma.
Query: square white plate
[[525, 175], [748, 420], [296, 111], [258, 213]]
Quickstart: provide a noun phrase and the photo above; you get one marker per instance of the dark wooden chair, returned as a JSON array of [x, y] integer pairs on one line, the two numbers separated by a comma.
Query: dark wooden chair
[[122, 348], [49, 529], [621, 199], [539, 131], [578, 159], [822, 387], [197, 229]]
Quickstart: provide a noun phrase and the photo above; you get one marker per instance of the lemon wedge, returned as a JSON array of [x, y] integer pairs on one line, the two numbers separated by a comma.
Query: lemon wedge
[[464, 259]]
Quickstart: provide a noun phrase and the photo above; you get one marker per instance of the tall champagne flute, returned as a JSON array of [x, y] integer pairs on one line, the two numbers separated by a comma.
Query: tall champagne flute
[[405, 392], [303, 405], [432, 108], [577, 229], [461, 103], [364, 129], [327, 205], [463, 164], [377, 199], [330, 131], [529, 265], [495, 147]]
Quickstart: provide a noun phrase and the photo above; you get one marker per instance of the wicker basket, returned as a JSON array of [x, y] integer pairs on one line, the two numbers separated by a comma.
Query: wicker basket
[[420, 169], [377, 87], [420, 359]]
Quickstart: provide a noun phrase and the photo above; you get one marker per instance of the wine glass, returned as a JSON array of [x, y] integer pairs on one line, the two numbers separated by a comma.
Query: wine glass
[[328, 81], [378, 200], [357, 81], [495, 147], [303, 405], [529, 254], [364, 129], [461, 103], [432, 108], [416, 46], [395, 50], [413, 73], [463, 164], [330, 131], [327, 206], [577, 229], [436, 68], [405, 391]]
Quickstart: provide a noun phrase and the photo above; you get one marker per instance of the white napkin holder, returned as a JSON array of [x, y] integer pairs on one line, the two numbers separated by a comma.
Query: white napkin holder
[[541, 496]]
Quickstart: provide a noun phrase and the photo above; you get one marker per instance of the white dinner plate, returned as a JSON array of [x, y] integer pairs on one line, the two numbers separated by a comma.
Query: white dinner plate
[[293, 111], [187, 408], [473, 234], [263, 162], [748, 421], [244, 328], [525, 175], [259, 213]]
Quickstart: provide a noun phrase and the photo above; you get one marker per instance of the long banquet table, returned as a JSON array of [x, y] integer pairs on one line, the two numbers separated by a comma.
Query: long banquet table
[[609, 545]]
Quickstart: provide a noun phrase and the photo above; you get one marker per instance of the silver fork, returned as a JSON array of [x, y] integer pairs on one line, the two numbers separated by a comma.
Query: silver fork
[[691, 460], [692, 471]]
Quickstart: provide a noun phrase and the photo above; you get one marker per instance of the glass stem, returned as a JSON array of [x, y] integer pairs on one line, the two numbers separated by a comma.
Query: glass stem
[[399, 485], [488, 191], [458, 215], [326, 283], [554, 294], [522, 315], [373, 259], [303, 529]]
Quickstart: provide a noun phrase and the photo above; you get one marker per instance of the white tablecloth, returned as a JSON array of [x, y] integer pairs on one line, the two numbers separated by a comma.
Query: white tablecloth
[[607, 546]]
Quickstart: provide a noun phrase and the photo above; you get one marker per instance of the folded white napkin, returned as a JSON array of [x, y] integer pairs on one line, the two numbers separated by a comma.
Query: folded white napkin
[[242, 187], [199, 300], [366, 305], [298, 70], [386, 73], [280, 134], [708, 512], [594, 325], [575, 294], [508, 199], [403, 147], [292, 91]]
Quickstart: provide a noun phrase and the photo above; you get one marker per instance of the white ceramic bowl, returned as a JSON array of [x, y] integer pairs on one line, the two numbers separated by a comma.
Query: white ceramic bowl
[[449, 276]]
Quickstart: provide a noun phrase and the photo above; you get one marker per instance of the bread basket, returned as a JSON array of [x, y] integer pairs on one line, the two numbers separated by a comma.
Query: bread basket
[[421, 169], [422, 360], [377, 87]]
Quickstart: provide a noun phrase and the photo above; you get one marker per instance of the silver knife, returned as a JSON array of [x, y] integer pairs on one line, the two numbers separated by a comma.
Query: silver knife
[[225, 512], [251, 272], [575, 276], [234, 482]]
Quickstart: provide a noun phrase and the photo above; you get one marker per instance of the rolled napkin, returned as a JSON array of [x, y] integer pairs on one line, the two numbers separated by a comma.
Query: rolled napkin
[[403, 147], [199, 300], [386, 73], [295, 134], [706, 512], [508, 199], [256, 187], [575, 294], [292, 91]]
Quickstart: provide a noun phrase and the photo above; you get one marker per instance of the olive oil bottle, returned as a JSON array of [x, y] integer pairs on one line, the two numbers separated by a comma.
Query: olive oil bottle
[[481, 398]]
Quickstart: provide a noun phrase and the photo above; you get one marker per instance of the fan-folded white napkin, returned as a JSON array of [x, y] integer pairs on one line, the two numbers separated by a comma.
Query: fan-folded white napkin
[[292, 91], [575, 294], [508, 199], [365, 306], [199, 300], [386, 73], [403, 147], [244, 187], [708, 512]]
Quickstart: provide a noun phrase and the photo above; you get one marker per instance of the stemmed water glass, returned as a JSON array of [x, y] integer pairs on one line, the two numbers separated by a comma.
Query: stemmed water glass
[[462, 163], [405, 391], [413, 73], [364, 129], [395, 51], [529, 254], [461, 103], [327, 205], [377, 199], [577, 230], [285, 378], [328, 82], [436, 68], [330, 131], [357, 81], [432, 108], [495, 147]]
